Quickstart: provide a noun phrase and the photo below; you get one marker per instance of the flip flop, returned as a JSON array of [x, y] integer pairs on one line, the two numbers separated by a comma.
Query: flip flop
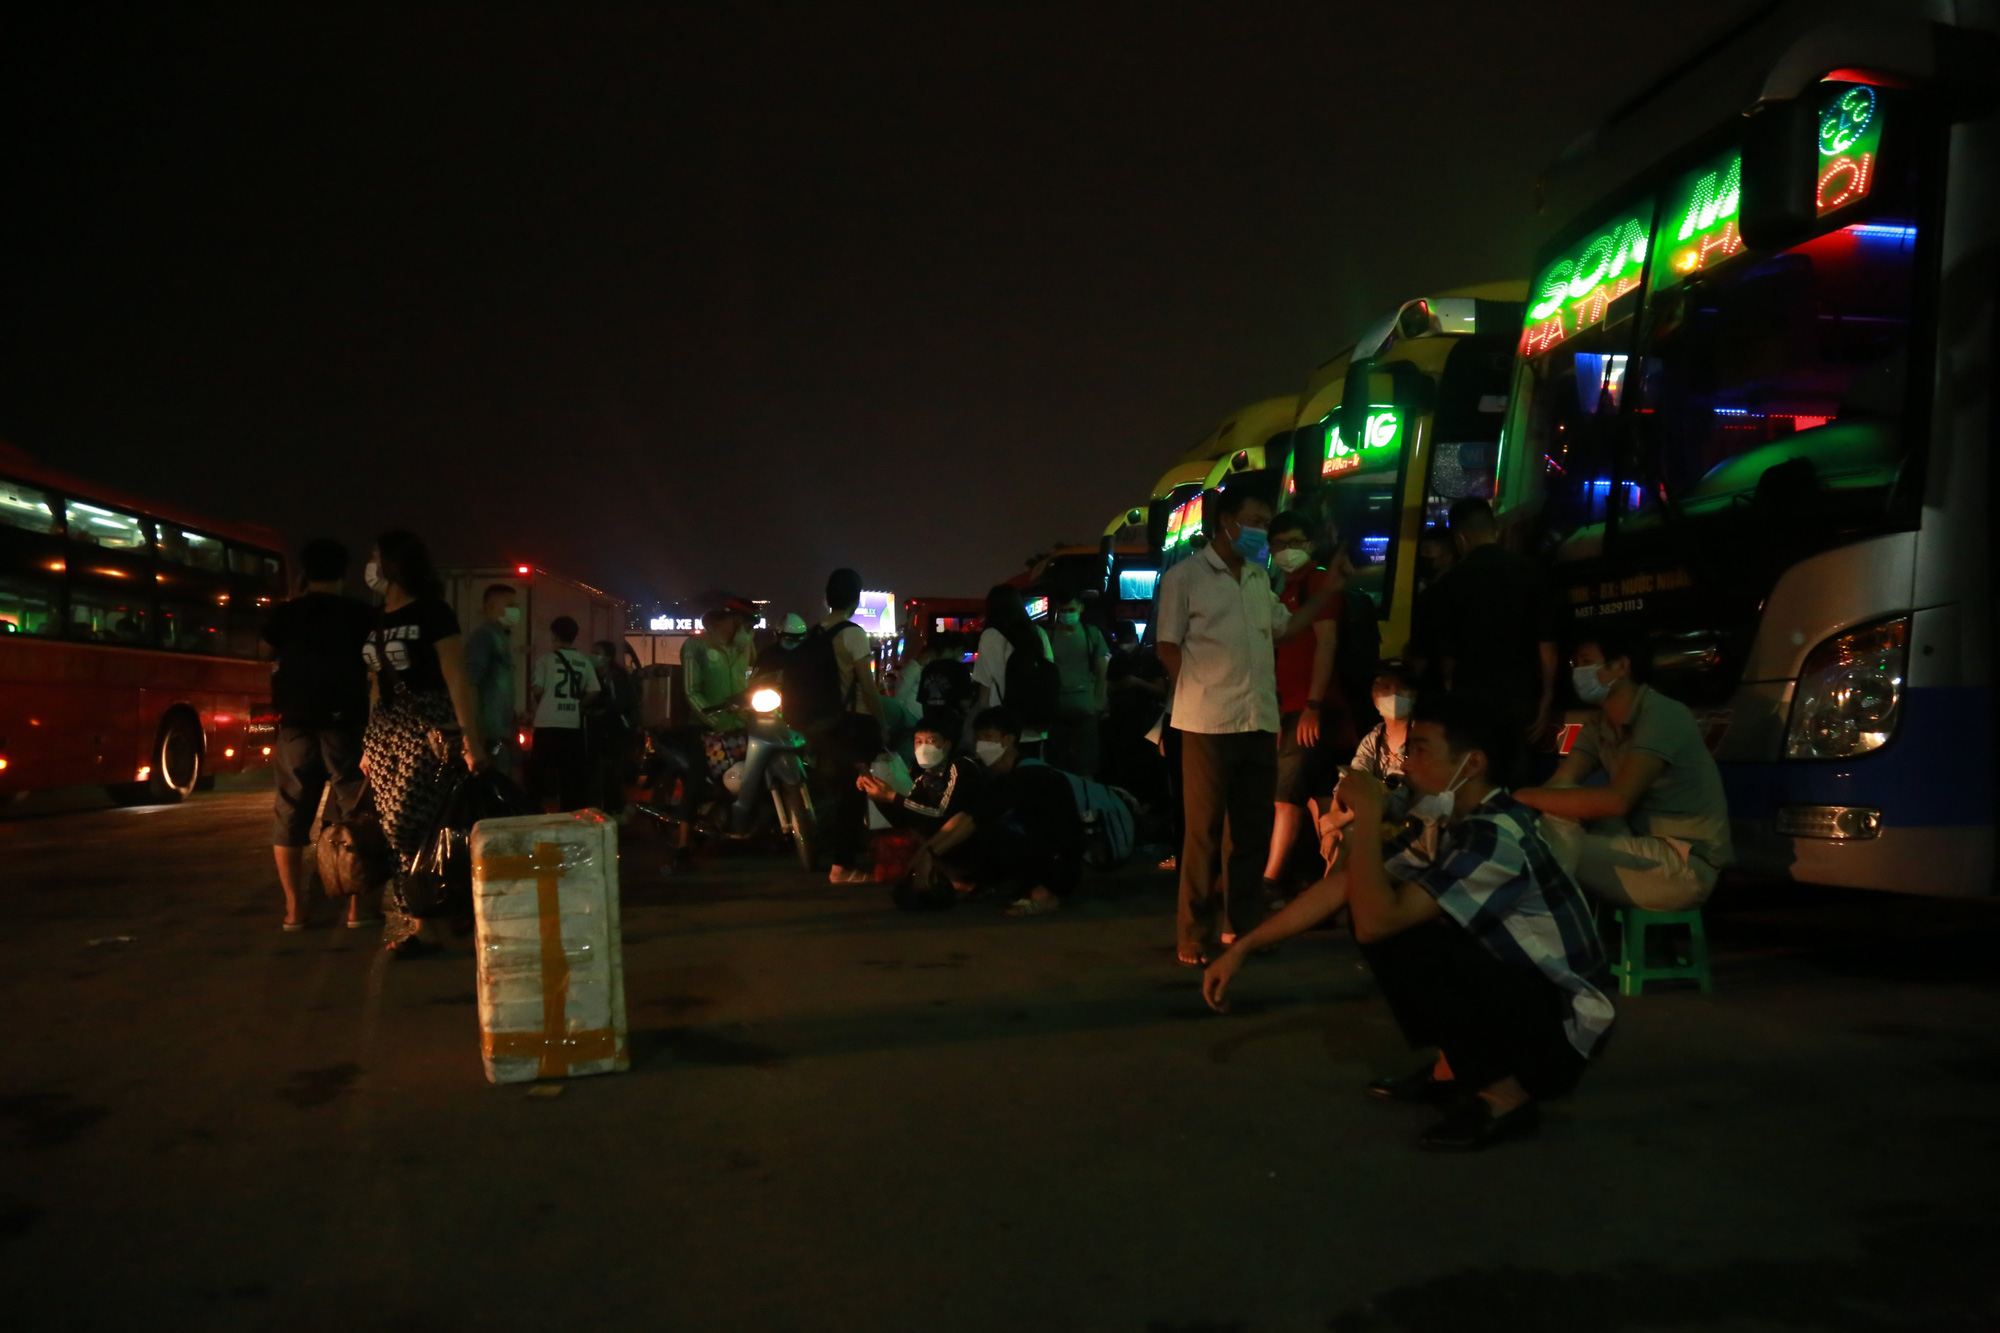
[[1034, 906], [358, 923], [291, 926]]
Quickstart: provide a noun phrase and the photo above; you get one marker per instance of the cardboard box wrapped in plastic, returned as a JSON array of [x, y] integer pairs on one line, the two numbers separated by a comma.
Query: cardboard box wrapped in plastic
[[551, 973]]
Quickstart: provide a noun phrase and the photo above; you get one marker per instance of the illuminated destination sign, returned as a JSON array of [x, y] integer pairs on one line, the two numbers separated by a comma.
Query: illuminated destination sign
[[1381, 436], [1573, 292], [1850, 136], [1699, 227]]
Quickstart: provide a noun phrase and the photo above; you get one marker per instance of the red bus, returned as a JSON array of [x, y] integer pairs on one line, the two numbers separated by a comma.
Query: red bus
[[131, 652]]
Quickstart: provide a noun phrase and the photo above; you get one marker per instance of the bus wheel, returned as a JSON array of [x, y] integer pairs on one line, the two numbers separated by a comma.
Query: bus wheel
[[176, 760]]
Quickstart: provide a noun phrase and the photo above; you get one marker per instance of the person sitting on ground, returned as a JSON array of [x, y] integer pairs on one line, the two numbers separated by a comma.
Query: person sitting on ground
[[944, 789], [1023, 827], [1656, 833], [1380, 755], [1479, 940]]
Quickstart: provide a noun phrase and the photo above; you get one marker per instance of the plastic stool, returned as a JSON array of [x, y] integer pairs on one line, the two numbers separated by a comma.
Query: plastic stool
[[1632, 969]]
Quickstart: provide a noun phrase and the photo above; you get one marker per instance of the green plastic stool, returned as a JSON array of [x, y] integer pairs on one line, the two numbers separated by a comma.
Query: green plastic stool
[[1632, 969]]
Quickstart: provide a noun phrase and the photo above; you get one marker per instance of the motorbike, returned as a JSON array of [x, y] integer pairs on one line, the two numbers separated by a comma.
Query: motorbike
[[684, 795]]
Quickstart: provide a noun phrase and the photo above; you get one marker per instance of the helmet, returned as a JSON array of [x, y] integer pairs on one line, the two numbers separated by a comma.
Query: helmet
[[794, 624], [732, 778]]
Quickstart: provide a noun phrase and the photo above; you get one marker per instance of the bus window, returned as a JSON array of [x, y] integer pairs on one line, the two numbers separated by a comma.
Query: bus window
[[192, 627], [104, 617], [25, 507], [1797, 358], [181, 547], [94, 526], [265, 568], [28, 606]]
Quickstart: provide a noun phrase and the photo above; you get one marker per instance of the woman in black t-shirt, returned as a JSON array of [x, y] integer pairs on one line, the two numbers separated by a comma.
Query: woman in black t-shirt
[[425, 725]]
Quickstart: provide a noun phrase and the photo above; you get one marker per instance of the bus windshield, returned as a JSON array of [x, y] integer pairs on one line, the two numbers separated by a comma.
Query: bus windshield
[[1671, 371]]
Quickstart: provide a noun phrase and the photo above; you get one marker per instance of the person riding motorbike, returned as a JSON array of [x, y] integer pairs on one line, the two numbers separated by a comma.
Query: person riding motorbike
[[715, 670]]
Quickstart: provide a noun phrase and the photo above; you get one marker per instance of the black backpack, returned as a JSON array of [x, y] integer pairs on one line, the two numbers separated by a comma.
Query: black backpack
[[1034, 686], [811, 677]]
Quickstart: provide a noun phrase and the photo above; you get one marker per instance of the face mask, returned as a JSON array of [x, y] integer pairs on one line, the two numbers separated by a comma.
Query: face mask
[[1588, 687], [1395, 706], [1071, 617], [1439, 805], [1254, 545], [989, 752], [511, 617], [930, 756], [371, 574], [1291, 560]]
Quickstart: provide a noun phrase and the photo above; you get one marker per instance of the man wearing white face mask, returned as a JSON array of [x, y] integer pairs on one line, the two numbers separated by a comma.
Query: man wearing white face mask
[[1478, 939], [1656, 834], [942, 791], [489, 664], [1022, 831]]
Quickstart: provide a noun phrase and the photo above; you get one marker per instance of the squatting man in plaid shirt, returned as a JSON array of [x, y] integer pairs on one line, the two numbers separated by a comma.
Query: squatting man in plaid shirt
[[1478, 939]]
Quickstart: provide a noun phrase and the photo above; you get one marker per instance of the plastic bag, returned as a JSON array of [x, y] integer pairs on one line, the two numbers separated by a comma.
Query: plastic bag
[[440, 879]]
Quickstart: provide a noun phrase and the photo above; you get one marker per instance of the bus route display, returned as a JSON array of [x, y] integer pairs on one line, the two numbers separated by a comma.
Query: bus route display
[[1575, 290], [1850, 137]]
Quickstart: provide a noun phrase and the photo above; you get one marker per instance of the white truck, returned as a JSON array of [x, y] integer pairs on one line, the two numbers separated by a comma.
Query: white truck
[[542, 597]]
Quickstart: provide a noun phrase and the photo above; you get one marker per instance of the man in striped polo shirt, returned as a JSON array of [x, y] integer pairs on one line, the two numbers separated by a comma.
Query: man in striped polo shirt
[[1479, 940]]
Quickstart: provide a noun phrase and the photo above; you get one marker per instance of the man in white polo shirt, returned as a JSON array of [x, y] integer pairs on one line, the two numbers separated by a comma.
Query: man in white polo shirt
[[1219, 621]]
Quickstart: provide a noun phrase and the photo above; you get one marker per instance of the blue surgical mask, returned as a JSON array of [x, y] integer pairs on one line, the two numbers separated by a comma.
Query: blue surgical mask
[[1254, 545], [1588, 687]]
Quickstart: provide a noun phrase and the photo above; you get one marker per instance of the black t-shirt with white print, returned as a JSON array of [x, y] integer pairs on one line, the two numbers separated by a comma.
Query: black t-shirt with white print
[[402, 651]]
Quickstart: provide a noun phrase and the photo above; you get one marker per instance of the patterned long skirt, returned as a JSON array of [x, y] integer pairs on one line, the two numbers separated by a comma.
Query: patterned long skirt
[[410, 773]]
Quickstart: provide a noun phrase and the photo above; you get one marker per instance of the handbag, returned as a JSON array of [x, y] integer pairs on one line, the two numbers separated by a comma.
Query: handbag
[[354, 856]]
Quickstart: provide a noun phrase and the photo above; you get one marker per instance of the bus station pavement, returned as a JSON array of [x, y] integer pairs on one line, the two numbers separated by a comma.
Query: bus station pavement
[[841, 1117]]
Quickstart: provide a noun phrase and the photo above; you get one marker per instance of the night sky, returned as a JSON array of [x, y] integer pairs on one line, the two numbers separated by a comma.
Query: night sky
[[669, 301]]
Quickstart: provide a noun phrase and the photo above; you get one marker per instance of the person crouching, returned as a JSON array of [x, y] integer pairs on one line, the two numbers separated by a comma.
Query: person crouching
[[942, 792], [1477, 937], [1023, 832]]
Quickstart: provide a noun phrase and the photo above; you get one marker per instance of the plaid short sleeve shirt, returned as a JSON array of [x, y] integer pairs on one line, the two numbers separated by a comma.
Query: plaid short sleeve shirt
[[1492, 874]]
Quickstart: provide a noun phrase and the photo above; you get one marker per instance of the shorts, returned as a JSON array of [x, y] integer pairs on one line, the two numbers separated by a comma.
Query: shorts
[[307, 761], [1302, 773]]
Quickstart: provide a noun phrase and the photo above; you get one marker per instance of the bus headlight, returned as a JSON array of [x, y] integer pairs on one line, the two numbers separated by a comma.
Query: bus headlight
[[766, 700], [1850, 693]]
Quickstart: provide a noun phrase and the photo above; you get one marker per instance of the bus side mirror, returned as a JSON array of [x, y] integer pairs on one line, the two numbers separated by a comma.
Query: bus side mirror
[[1780, 161]]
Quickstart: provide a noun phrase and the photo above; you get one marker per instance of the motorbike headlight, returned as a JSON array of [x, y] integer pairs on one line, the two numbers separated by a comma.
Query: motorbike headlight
[[1850, 693], [766, 700]]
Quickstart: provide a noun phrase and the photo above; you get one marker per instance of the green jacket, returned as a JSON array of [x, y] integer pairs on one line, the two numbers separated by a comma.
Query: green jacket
[[712, 674]]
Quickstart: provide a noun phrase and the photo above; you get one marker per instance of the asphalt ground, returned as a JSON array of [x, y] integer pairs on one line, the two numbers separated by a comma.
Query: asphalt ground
[[843, 1117]]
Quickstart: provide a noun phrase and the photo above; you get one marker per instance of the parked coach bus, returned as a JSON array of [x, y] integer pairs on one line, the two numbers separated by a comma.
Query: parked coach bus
[[1753, 415], [1394, 429], [130, 639]]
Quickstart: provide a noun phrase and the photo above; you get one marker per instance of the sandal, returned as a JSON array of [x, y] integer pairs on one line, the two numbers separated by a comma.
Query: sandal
[[1034, 906], [356, 923], [291, 926]]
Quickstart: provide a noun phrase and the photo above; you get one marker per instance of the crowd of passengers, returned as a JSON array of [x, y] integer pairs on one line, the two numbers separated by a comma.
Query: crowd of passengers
[[1305, 782]]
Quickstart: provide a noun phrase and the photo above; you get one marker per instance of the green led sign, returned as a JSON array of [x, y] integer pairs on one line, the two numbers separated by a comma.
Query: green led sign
[[1850, 137], [1382, 434], [1699, 226], [1573, 292]]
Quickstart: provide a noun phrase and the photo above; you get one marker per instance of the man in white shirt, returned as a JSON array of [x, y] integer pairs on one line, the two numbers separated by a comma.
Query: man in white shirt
[[1219, 620], [564, 684]]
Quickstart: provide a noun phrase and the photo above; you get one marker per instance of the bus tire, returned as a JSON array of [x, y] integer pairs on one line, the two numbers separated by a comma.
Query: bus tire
[[176, 760]]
